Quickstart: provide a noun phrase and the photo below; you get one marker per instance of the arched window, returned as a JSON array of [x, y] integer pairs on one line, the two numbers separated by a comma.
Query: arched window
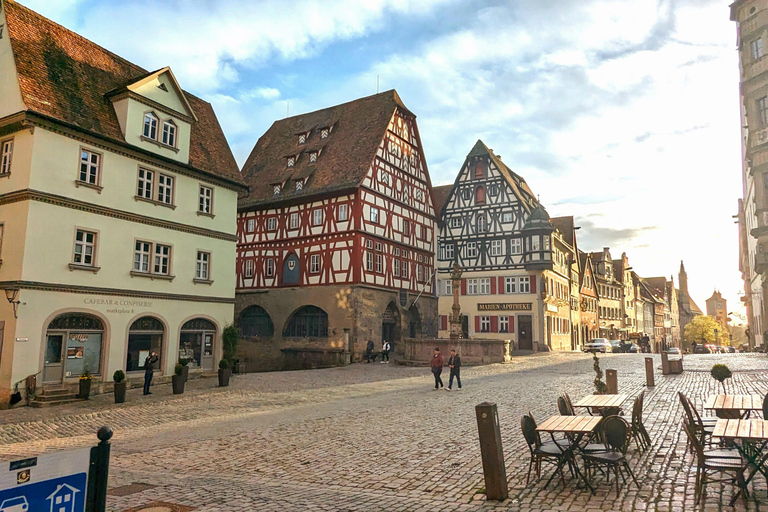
[[144, 337], [196, 343], [150, 125], [480, 195], [255, 321], [169, 133], [307, 322], [73, 345], [481, 224]]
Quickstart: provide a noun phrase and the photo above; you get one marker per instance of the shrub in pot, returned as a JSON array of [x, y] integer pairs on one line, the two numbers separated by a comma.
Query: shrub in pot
[[185, 372], [177, 380], [224, 373], [121, 386]]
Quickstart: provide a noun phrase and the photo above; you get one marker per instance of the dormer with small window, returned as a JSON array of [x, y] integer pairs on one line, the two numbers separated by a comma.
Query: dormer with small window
[[313, 156], [302, 138], [154, 114], [325, 131], [290, 161]]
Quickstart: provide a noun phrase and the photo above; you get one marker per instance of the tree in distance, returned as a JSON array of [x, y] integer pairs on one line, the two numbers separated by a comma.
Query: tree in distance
[[702, 330]]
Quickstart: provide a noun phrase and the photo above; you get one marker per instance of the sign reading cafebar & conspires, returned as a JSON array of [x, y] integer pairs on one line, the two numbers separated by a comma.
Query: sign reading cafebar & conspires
[[506, 306]]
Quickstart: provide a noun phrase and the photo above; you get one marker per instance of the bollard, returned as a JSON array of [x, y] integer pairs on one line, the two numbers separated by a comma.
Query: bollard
[[611, 380], [99, 473], [491, 451], [664, 363], [649, 372]]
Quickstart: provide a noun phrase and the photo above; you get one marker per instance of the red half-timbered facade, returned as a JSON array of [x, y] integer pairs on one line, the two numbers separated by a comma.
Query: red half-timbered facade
[[339, 218]]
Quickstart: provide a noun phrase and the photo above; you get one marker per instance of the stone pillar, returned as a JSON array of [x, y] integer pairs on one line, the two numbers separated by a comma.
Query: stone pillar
[[348, 357], [455, 321]]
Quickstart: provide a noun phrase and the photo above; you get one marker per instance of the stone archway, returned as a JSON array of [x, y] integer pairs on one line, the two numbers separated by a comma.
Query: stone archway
[[390, 325], [414, 322]]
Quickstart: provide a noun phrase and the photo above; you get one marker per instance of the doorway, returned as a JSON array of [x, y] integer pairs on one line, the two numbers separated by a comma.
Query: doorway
[[196, 343], [464, 326], [525, 335], [72, 347]]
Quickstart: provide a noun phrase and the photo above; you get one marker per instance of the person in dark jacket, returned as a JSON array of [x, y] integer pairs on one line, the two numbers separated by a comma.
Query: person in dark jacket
[[369, 352], [437, 367], [454, 363], [149, 370]]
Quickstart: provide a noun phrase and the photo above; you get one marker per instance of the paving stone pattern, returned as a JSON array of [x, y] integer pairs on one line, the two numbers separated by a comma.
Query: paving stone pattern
[[377, 437]]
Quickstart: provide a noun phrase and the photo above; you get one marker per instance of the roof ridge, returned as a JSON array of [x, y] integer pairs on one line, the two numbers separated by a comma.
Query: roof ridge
[[392, 92]]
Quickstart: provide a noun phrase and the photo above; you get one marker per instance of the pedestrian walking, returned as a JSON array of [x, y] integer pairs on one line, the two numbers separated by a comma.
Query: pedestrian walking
[[385, 351], [437, 367], [369, 352], [149, 370], [454, 363]]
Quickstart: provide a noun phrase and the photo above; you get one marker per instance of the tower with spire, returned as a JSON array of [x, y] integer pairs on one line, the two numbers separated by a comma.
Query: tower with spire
[[688, 308]]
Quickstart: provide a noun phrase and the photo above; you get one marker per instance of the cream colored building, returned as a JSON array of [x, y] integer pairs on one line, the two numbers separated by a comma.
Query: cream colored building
[[118, 197]]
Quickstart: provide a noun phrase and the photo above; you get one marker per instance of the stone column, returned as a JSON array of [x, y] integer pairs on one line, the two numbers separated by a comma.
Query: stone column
[[456, 308]]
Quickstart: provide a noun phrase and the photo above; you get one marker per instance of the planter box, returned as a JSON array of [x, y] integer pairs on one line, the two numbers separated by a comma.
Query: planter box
[[84, 389], [120, 391], [224, 376], [178, 384]]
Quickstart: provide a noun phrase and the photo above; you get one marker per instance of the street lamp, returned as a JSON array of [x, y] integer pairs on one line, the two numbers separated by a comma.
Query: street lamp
[[12, 294]]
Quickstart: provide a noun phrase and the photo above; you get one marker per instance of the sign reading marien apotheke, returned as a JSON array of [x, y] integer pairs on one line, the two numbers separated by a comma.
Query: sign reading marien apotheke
[[506, 306]]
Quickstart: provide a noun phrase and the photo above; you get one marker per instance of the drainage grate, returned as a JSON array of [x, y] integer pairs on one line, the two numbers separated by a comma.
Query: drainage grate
[[125, 490]]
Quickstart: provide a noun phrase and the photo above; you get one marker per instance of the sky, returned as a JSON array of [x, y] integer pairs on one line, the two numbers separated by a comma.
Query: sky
[[622, 114]]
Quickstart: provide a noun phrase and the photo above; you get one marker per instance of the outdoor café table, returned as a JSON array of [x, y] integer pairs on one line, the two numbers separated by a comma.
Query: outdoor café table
[[575, 427], [730, 406], [599, 402], [752, 436]]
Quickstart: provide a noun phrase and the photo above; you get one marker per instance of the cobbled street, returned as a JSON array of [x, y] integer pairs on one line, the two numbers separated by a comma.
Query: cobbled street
[[377, 437]]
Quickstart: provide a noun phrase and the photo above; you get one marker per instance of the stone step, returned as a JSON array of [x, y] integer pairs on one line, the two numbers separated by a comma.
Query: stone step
[[40, 404], [56, 397], [55, 392]]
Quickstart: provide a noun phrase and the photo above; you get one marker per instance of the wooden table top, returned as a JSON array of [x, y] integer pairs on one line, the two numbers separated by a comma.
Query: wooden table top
[[735, 402], [570, 424], [601, 401], [741, 429]]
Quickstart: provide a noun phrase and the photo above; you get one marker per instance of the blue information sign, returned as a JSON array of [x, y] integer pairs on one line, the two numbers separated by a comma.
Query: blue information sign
[[64, 494]]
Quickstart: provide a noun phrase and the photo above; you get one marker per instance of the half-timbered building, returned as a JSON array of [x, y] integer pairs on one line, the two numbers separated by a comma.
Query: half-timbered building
[[336, 235], [589, 299], [610, 292]]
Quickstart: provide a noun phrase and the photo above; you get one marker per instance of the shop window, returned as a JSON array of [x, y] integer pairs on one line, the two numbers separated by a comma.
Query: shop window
[[145, 336], [309, 321], [196, 343], [73, 344], [255, 321]]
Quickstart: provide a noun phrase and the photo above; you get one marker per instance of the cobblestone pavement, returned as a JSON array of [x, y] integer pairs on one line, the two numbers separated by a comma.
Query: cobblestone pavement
[[377, 437]]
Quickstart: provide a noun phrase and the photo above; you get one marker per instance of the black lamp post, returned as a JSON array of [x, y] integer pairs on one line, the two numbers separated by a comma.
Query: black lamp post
[[12, 294]]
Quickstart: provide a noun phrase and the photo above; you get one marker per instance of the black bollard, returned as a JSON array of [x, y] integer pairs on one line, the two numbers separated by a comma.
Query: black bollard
[[98, 474]]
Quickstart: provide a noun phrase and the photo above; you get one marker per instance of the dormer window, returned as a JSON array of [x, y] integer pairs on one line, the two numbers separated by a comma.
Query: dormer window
[[276, 190], [302, 138], [324, 133], [169, 133], [291, 161], [385, 177], [299, 185], [313, 157], [150, 125]]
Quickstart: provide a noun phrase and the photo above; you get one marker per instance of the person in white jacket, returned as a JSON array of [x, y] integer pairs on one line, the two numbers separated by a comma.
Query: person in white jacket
[[385, 351]]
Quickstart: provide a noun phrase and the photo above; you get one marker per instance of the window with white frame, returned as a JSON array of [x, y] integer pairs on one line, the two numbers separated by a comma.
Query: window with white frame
[[162, 263], [485, 285], [406, 227], [472, 287], [369, 261], [276, 190], [272, 224], [379, 263], [313, 157], [503, 324], [516, 246], [466, 194], [385, 177], [449, 287], [294, 223], [317, 217], [250, 225], [155, 186], [471, 249], [485, 324], [270, 267], [757, 48], [248, 268], [448, 251], [420, 273], [90, 164], [481, 224], [369, 244], [506, 217], [85, 248], [169, 134], [165, 189], [535, 243], [495, 247], [404, 270], [291, 161], [324, 133], [202, 269], [343, 212], [314, 263], [493, 190], [150, 126], [141, 256], [374, 215], [524, 284], [302, 138], [299, 185], [205, 200], [546, 242], [455, 222], [510, 285], [6, 156], [396, 267], [378, 246], [146, 180]]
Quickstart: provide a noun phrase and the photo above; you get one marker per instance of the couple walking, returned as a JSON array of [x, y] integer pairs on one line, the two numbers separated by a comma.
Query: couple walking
[[454, 363]]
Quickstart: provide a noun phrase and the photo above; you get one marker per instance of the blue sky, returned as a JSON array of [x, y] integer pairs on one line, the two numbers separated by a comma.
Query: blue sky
[[623, 114]]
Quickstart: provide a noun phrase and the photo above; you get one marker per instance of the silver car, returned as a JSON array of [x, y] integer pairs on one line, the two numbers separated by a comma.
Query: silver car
[[598, 345]]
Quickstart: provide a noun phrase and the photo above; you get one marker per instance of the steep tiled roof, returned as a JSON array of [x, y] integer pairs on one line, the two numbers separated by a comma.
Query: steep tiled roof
[[356, 130], [565, 226], [440, 196], [64, 76], [694, 308]]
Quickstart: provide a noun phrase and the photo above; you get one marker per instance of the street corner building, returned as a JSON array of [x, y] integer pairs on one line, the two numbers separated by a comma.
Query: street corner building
[[520, 269], [118, 197], [336, 237]]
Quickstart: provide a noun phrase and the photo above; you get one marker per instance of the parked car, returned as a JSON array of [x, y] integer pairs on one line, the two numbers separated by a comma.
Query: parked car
[[634, 349], [730, 350], [598, 345], [674, 350], [616, 346], [702, 349]]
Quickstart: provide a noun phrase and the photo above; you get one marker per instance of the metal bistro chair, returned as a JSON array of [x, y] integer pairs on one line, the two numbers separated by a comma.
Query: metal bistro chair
[[765, 407], [617, 434], [562, 406], [708, 461], [549, 451], [702, 429], [639, 432]]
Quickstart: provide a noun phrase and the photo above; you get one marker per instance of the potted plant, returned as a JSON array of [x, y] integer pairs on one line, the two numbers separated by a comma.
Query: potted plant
[[185, 372], [720, 372], [85, 383], [177, 379], [121, 386], [601, 388], [224, 373], [229, 336]]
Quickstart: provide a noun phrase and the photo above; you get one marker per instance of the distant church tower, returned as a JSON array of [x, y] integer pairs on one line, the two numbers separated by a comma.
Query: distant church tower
[[716, 308], [686, 306]]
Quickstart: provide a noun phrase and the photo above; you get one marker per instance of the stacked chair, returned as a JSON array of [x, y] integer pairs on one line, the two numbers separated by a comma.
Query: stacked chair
[[641, 436]]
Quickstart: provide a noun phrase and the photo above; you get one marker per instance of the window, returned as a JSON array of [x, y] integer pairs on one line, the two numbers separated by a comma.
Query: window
[[299, 185], [510, 285], [496, 248], [493, 190], [272, 224], [485, 285], [481, 224], [145, 183], [203, 265], [7, 156], [302, 138], [248, 268], [324, 133], [455, 222], [162, 259], [516, 246], [369, 244], [506, 217], [406, 227], [150, 126], [205, 202], [379, 263], [270, 267], [165, 189], [757, 48], [485, 324], [291, 161], [378, 246], [385, 177], [503, 324], [471, 286], [480, 195], [314, 263], [405, 270], [762, 111], [313, 157], [546, 243], [374, 215], [251, 226], [276, 190], [294, 220], [317, 217], [524, 283], [466, 194], [369, 261], [480, 169], [420, 273], [471, 249], [449, 287], [343, 212], [85, 245], [535, 243], [89, 167], [309, 321], [448, 251], [169, 134], [396, 267]]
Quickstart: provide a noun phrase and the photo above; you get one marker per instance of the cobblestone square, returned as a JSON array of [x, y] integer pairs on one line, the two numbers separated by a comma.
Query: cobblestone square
[[377, 437]]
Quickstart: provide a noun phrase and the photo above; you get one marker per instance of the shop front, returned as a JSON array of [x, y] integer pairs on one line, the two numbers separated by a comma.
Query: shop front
[[73, 346], [196, 342]]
